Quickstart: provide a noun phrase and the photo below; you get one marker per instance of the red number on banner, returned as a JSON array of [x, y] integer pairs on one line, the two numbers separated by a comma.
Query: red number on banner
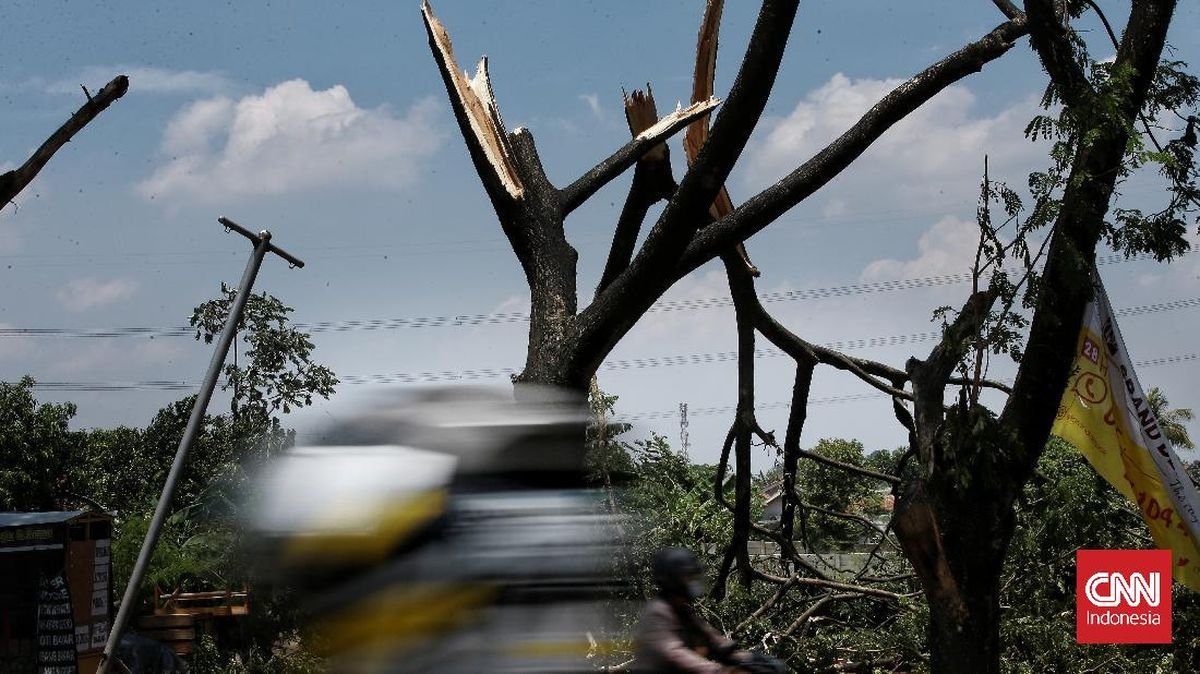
[[1167, 516], [1091, 351]]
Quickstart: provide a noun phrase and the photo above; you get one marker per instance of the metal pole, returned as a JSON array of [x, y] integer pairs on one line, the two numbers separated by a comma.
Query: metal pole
[[262, 245]]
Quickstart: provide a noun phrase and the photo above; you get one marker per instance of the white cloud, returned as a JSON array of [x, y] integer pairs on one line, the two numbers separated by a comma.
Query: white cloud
[[142, 79], [290, 138], [593, 103], [90, 293], [937, 150], [120, 359], [947, 247]]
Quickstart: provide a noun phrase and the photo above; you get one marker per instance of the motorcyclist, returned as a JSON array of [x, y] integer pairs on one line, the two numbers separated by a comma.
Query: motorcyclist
[[671, 636]]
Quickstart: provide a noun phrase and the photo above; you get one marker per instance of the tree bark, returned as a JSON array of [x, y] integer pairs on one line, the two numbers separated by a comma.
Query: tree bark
[[12, 182], [962, 583]]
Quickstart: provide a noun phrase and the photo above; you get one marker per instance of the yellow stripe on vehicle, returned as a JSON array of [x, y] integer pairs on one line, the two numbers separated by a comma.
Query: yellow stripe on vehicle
[[391, 525], [400, 616]]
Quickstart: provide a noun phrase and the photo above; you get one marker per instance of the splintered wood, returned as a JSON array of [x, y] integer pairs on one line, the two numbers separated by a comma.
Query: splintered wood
[[702, 88], [476, 102]]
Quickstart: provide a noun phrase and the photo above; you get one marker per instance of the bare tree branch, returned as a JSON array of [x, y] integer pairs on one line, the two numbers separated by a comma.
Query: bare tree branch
[[866, 523], [652, 182], [832, 584], [478, 116], [730, 130], [791, 443], [12, 182], [718, 587], [766, 606], [745, 424], [703, 85], [1051, 40], [808, 613], [1008, 9], [849, 467], [773, 202], [589, 183], [652, 270]]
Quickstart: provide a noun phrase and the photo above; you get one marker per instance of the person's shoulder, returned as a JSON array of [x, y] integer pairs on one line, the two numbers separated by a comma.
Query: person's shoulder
[[657, 608]]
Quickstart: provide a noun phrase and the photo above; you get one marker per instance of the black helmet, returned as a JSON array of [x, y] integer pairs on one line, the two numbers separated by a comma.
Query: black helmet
[[677, 573]]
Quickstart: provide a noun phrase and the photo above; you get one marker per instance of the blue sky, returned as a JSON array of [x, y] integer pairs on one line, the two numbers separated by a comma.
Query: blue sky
[[327, 124]]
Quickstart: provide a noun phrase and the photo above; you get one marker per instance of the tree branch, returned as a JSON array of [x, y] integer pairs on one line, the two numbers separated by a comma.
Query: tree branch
[[730, 130], [843, 515], [930, 376], [766, 606], [832, 584], [703, 84], [773, 202], [1066, 281], [652, 270], [12, 182], [849, 467], [1050, 39], [652, 182], [791, 443], [478, 116], [814, 608], [1008, 9], [745, 423], [589, 183]]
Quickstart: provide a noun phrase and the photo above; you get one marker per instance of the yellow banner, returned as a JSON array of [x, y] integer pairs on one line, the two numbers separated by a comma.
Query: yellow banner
[[1105, 414]]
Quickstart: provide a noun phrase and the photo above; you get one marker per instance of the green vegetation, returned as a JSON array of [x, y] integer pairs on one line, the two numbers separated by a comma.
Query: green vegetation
[[46, 466]]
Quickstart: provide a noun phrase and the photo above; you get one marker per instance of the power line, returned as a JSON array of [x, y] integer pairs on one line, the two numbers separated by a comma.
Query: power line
[[705, 411], [497, 373], [499, 318], [638, 416], [873, 395], [673, 360]]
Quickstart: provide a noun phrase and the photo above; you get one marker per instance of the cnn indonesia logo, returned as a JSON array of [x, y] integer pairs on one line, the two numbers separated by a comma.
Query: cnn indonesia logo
[[1123, 596]]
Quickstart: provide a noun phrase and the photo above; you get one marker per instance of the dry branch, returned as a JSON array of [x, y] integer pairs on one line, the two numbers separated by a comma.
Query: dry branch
[[652, 182], [812, 610], [832, 584], [12, 182], [589, 183], [849, 467], [703, 85], [930, 376], [773, 202], [797, 415], [478, 116], [766, 606], [1050, 38]]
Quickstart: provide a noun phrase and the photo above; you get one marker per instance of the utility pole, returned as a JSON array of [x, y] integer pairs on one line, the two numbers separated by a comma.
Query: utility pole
[[262, 246], [683, 430]]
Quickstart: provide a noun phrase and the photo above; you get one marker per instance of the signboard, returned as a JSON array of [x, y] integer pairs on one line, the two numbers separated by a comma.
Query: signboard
[[55, 628]]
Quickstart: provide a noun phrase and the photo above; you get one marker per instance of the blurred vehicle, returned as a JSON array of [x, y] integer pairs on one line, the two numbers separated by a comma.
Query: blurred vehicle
[[448, 531]]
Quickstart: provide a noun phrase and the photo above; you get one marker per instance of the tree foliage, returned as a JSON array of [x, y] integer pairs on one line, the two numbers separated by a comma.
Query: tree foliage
[[280, 374], [46, 466], [1171, 421], [36, 444]]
